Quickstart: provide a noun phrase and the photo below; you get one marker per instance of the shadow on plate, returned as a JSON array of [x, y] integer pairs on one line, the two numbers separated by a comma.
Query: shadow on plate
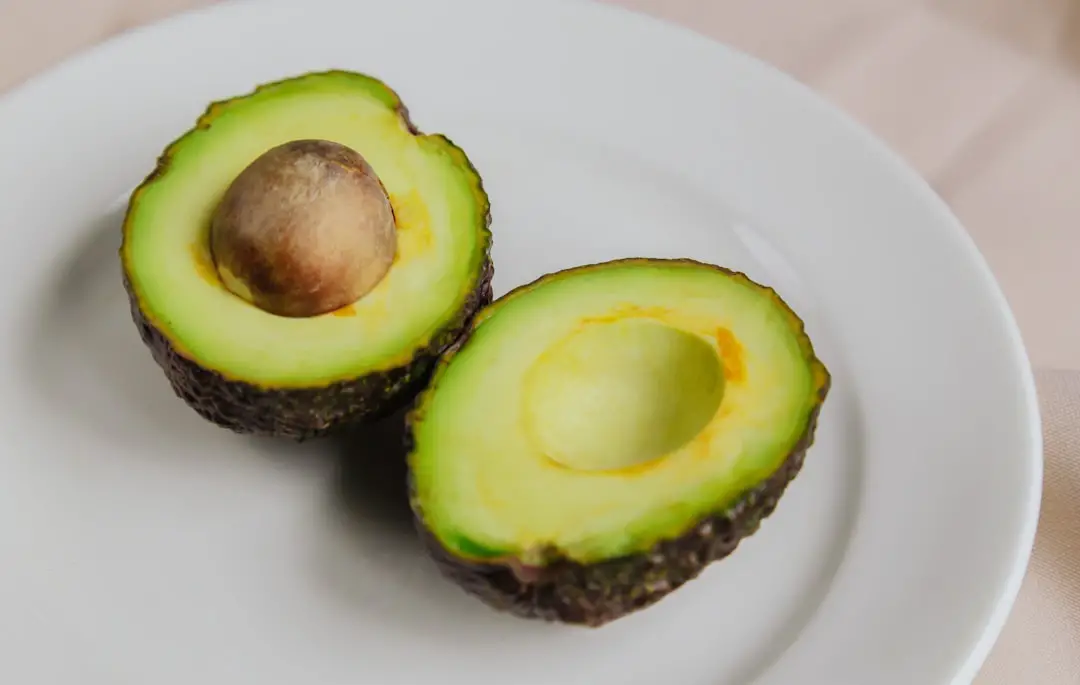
[[85, 355], [371, 482], [372, 559]]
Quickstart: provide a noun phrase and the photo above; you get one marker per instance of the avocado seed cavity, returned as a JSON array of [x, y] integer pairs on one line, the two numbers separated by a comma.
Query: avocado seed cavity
[[305, 229], [641, 390]]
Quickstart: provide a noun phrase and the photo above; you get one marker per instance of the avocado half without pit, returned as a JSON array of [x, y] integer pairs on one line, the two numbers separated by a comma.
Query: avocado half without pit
[[300, 259], [604, 433]]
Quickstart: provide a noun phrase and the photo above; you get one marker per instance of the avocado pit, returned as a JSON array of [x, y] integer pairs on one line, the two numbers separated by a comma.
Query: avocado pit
[[305, 229]]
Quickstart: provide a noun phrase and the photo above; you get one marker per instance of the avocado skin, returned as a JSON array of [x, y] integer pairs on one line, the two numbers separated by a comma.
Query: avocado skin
[[309, 412], [592, 595], [302, 413]]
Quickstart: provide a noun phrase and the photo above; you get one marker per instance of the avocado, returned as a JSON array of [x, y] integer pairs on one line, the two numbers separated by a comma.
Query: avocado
[[604, 433], [303, 255]]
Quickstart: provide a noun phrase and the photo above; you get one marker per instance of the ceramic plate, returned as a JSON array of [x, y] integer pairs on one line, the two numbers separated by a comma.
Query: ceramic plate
[[141, 544]]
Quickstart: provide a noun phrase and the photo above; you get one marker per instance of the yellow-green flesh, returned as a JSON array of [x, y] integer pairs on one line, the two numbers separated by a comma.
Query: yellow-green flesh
[[440, 212], [607, 407]]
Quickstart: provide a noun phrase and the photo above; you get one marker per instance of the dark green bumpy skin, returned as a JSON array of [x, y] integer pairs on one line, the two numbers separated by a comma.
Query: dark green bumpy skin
[[302, 413], [595, 594], [311, 412]]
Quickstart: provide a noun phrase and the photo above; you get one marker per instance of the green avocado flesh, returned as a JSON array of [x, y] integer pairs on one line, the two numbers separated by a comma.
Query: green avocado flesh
[[603, 410], [388, 336]]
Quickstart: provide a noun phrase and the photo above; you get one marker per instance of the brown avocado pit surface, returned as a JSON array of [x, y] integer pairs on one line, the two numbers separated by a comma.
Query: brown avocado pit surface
[[305, 229]]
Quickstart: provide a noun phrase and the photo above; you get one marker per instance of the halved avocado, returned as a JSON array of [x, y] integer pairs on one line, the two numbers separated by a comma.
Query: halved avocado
[[300, 372], [604, 433]]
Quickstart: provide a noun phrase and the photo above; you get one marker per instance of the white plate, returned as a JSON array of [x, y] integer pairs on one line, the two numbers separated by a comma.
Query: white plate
[[141, 544]]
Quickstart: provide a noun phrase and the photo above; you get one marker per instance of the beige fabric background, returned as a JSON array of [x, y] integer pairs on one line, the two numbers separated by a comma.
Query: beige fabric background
[[981, 96]]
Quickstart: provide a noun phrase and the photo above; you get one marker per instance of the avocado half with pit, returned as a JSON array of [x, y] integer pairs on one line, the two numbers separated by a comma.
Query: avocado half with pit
[[301, 257], [604, 433]]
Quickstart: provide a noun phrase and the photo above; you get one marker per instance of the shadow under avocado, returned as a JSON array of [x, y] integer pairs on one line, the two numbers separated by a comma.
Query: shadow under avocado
[[372, 477], [371, 557], [84, 352]]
